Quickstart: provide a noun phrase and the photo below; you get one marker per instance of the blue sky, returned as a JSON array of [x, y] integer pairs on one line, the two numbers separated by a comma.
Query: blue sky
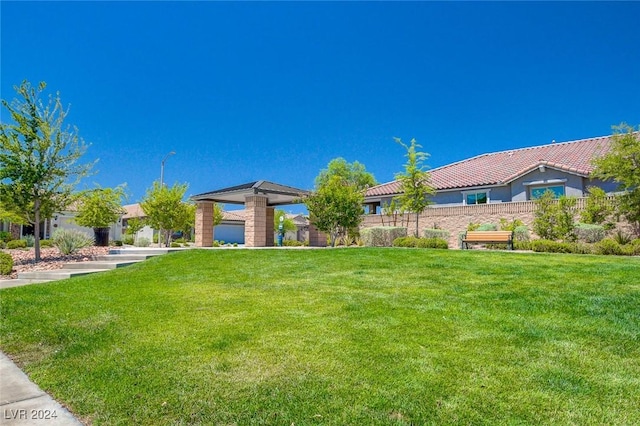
[[275, 90]]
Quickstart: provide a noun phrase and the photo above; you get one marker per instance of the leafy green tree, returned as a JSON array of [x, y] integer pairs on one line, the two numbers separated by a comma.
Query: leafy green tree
[[100, 207], [414, 181], [134, 225], [554, 219], [354, 174], [165, 209], [598, 208], [622, 165], [335, 207], [38, 157], [287, 224]]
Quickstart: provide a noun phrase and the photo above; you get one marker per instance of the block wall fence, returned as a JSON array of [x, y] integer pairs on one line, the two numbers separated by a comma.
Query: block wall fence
[[455, 219]]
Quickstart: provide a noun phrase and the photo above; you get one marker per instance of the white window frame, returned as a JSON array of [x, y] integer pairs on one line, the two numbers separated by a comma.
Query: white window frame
[[475, 192]]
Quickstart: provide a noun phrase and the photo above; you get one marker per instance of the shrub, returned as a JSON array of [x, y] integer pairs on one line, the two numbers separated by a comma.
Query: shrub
[[180, 240], [487, 227], [46, 243], [69, 241], [589, 233], [175, 244], [142, 242], [5, 236], [6, 263], [215, 244], [622, 237], [636, 246], [3, 244], [291, 243], [128, 239], [522, 245], [435, 243], [548, 246], [608, 246], [382, 236], [437, 233], [117, 243], [408, 241], [30, 239], [505, 225], [521, 233], [15, 244]]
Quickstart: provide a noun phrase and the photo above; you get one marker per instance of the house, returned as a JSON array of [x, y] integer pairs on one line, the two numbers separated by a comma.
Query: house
[[135, 211], [231, 230], [510, 176]]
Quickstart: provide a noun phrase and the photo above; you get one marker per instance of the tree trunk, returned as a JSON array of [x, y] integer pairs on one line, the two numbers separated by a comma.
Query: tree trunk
[[417, 218], [36, 229]]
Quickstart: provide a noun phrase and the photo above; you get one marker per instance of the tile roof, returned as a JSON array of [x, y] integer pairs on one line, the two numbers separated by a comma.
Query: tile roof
[[503, 167]]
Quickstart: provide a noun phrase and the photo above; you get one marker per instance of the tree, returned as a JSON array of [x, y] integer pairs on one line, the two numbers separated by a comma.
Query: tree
[[99, 208], [554, 219], [354, 174], [598, 209], [165, 209], [622, 165], [335, 207], [414, 182], [287, 224], [38, 157]]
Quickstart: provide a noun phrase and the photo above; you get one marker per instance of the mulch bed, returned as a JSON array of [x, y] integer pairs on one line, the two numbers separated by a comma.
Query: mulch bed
[[50, 258]]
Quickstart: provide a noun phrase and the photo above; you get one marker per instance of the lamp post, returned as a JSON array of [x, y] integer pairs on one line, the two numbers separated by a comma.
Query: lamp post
[[280, 230], [161, 186]]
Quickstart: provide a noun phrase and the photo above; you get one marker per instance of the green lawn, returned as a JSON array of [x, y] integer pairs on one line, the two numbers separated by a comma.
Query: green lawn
[[343, 336]]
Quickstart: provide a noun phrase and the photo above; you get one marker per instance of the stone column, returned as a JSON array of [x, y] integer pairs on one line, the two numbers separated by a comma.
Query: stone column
[[316, 238], [256, 224], [270, 227], [204, 224]]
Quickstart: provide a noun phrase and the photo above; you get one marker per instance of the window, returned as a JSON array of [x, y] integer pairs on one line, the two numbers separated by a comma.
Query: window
[[479, 197], [558, 191]]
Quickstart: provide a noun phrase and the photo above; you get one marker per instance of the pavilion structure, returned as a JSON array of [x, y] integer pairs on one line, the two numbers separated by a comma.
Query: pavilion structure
[[260, 199]]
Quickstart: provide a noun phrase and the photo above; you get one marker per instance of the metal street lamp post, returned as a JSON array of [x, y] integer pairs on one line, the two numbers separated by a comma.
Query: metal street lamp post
[[161, 185]]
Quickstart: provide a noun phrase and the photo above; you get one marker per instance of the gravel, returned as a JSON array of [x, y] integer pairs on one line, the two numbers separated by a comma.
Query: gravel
[[50, 258]]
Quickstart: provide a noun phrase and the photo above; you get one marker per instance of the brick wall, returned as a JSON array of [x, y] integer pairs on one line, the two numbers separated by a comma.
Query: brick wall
[[455, 219]]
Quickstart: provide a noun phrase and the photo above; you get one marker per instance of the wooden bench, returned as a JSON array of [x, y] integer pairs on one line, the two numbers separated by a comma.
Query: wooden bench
[[488, 237]]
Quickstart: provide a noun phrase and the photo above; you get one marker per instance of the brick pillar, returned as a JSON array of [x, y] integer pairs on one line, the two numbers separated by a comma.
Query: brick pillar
[[256, 224], [270, 227], [204, 224], [316, 238]]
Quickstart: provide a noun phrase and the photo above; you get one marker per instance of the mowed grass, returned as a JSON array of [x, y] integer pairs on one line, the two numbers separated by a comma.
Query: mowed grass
[[336, 337]]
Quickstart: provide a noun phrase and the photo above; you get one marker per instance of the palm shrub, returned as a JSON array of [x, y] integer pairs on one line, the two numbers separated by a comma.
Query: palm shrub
[[70, 241], [589, 233], [30, 240], [382, 236], [6, 263]]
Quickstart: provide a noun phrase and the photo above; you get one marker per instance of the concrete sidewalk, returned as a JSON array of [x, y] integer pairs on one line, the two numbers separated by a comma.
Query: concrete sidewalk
[[22, 402]]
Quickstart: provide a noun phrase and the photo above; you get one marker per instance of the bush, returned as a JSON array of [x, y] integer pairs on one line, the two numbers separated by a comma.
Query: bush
[[6, 263], [117, 243], [175, 244], [15, 244], [5, 236], [437, 233], [487, 227], [142, 242], [128, 239], [608, 246], [46, 243], [30, 239], [521, 233], [622, 237], [409, 241], [522, 245], [292, 243], [3, 245], [589, 233], [382, 236], [435, 243], [548, 246], [215, 244], [69, 241]]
